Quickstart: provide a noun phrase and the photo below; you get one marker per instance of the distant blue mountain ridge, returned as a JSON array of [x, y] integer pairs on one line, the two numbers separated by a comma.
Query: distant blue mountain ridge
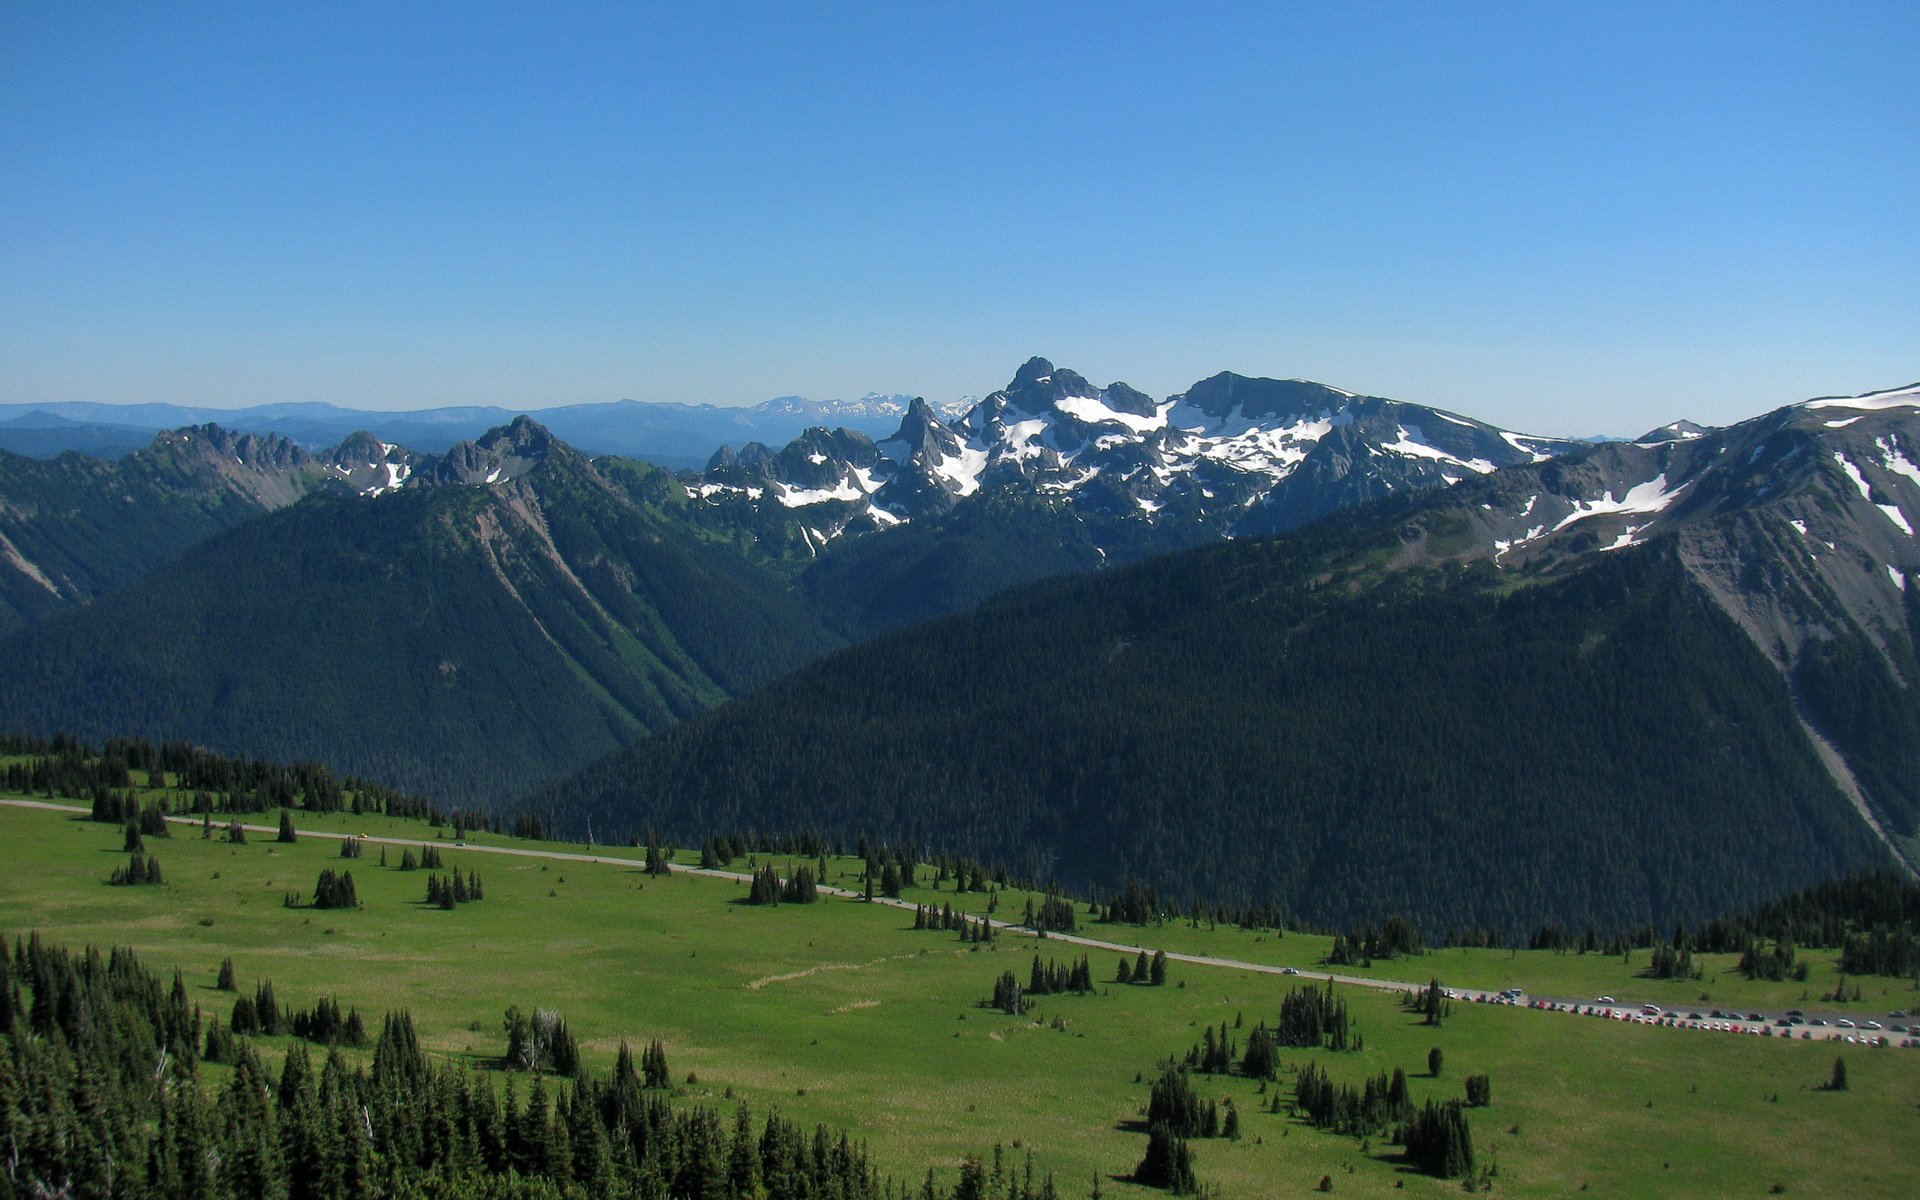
[[672, 435]]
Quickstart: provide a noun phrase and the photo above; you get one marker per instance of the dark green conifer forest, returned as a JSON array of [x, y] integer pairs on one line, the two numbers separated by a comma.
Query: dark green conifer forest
[[1605, 749]]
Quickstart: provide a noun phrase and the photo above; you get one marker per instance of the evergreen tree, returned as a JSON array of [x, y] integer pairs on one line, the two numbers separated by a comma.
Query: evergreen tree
[[335, 890], [1262, 1060], [1479, 1091], [1438, 1140], [653, 1067], [287, 834], [1008, 996], [765, 888], [1168, 1162]]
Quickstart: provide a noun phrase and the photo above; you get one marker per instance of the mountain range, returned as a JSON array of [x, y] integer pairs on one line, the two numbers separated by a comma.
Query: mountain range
[[465, 625], [174, 575], [1052, 475], [1622, 684], [1263, 632], [1231, 456]]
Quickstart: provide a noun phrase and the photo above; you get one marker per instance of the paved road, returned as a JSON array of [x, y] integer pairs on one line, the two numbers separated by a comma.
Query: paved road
[[1738, 1024]]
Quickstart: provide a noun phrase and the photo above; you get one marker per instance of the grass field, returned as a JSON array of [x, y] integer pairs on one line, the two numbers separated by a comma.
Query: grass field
[[839, 1012]]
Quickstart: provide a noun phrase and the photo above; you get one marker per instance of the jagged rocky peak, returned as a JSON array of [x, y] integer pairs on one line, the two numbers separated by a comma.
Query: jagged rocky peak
[[820, 457], [918, 416], [1040, 389], [920, 430], [359, 447], [368, 465], [522, 436], [506, 452], [1038, 386], [264, 451]]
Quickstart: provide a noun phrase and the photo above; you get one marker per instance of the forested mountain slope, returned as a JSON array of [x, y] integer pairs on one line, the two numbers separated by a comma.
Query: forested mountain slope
[[514, 611], [1577, 690], [75, 527]]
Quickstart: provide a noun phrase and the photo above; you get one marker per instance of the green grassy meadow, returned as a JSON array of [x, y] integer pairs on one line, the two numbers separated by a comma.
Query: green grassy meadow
[[839, 1012]]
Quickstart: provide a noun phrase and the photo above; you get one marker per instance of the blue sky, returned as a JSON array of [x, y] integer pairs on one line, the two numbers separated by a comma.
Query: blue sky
[[1562, 218]]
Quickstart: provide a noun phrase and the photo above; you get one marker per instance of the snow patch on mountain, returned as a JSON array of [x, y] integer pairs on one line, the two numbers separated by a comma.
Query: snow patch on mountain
[[1897, 462], [1853, 473], [1533, 534], [390, 476], [962, 469], [802, 497], [1649, 497], [1521, 442], [1627, 538], [1904, 397], [1411, 442], [1094, 411]]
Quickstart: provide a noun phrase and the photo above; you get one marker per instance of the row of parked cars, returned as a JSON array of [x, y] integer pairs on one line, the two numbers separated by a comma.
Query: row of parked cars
[[1867, 1033], [1863, 1033]]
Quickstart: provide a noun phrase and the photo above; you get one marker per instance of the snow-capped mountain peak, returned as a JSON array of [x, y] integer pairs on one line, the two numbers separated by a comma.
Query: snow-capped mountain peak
[[1232, 455]]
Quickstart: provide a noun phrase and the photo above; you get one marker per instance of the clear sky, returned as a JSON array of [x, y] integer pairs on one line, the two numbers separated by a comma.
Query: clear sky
[[1568, 218]]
